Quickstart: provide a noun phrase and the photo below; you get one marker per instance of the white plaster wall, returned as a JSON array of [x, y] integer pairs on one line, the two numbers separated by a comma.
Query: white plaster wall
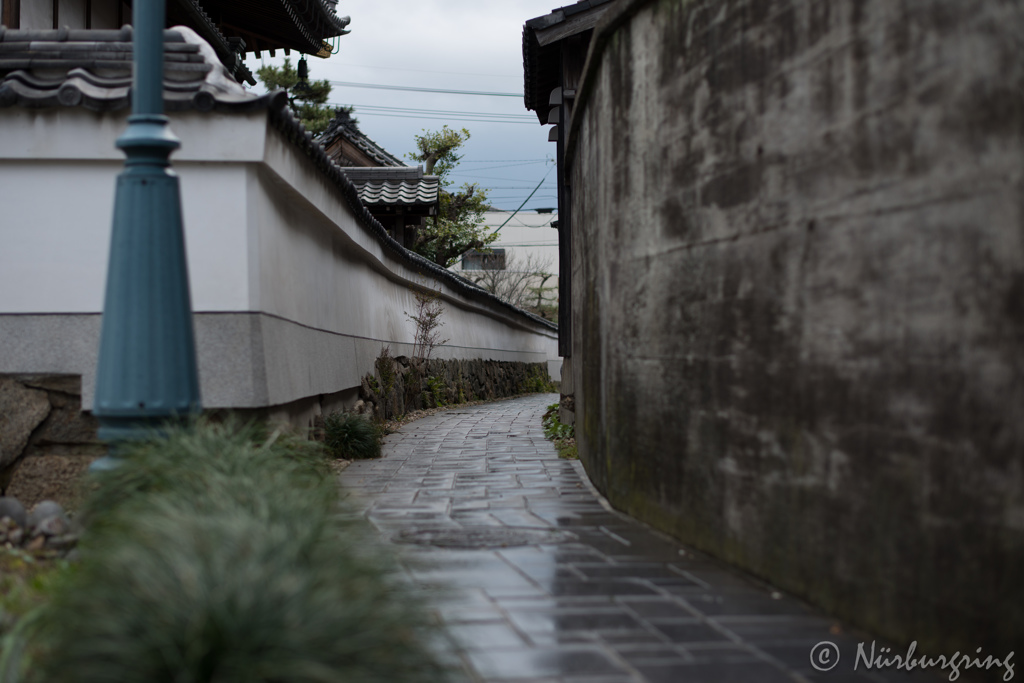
[[57, 177], [321, 270], [293, 297], [36, 15], [71, 13]]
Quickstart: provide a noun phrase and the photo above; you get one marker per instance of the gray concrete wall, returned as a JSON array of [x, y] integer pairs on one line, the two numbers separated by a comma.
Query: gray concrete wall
[[798, 297]]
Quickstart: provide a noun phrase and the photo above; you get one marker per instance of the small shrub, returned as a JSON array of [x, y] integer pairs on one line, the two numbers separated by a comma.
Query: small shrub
[[429, 309], [562, 435], [351, 436], [538, 382], [385, 366], [413, 385], [435, 392]]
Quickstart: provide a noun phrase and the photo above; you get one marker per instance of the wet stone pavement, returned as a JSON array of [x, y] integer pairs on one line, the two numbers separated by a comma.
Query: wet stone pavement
[[537, 579]]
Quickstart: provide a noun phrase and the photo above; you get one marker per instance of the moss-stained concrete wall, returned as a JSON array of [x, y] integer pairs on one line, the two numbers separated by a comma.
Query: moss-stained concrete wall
[[798, 291]]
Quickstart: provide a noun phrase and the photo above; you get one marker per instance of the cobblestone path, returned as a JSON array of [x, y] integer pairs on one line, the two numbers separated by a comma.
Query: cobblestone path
[[546, 583]]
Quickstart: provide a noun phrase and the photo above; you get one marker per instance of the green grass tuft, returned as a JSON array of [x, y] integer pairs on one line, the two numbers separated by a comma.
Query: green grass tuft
[[351, 436], [221, 555], [562, 435]]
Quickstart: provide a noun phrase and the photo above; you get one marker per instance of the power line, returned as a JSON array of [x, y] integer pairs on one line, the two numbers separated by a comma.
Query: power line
[[470, 174], [528, 244], [492, 168], [430, 71], [527, 199], [499, 161], [444, 117], [376, 107], [409, 88]]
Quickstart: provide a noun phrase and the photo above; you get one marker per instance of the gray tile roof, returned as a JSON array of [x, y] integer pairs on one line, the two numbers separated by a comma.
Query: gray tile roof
[[93, 69], [559, 15], [343, 125], [403, 186]]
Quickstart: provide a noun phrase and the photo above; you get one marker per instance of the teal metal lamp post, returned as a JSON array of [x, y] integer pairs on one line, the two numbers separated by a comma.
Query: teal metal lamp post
[[147, 372]]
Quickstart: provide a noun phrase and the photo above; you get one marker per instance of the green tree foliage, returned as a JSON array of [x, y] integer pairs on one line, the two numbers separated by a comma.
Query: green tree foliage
[[308, 99], [458, 227]]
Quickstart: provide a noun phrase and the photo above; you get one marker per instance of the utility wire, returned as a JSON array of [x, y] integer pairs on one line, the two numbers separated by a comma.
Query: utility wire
[[500, 161], [429, 71], [408, 88], [375, 107], [489, 177], [491, 168], [527, 199], [445, 117]]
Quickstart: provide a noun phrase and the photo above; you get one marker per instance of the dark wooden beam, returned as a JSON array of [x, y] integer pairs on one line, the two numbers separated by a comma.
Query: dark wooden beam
[[264, 42], [10, 15]]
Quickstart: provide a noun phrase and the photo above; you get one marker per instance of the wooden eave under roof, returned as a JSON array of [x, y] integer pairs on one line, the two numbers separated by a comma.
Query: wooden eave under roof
[[541, 53], [193, 14], [301, 25]]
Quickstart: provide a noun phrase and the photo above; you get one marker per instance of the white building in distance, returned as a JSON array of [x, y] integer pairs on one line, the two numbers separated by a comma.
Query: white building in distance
[[522, 264]]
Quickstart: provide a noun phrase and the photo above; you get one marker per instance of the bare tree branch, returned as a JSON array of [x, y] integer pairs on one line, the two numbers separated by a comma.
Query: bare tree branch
[[521, 283]]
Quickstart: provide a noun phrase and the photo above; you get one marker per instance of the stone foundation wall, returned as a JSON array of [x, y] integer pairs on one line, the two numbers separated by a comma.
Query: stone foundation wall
[[400, 385], [45, 438]]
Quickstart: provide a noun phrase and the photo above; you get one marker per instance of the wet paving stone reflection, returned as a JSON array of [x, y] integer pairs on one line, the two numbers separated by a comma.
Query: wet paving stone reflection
[[536, 578]]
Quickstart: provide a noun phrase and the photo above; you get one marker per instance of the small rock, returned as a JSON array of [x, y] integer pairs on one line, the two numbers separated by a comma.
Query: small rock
[[44, 510], [64, 543], [12, 508], [36, 543], [51, 526], [15, 536]]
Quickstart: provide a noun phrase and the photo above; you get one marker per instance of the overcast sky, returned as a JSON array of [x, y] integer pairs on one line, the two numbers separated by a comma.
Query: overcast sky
[[473, 45]]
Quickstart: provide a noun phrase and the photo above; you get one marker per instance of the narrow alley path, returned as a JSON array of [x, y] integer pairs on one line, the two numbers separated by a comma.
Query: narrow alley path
[[547, 584]]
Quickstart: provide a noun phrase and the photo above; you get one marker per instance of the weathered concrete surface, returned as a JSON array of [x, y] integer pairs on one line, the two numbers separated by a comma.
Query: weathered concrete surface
[[798, 297]]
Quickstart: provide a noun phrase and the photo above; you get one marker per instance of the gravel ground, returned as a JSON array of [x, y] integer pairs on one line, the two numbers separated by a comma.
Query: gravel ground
[[49, 477]]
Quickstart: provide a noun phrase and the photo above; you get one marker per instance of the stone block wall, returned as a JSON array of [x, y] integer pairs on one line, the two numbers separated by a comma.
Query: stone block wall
[[798, 297], [45, 438], [401, 385]]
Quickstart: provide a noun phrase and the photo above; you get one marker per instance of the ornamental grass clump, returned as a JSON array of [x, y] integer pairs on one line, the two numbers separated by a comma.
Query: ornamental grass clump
[[217, 555], [351, 436]]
